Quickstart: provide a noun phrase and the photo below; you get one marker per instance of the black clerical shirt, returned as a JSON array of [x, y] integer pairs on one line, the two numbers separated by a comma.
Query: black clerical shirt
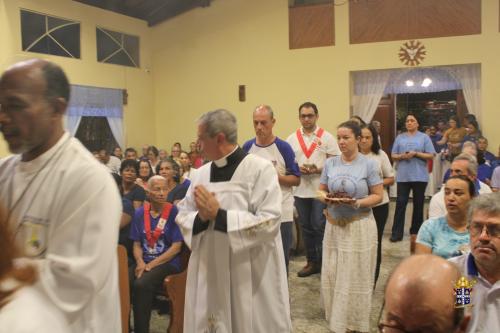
[[222, 174]]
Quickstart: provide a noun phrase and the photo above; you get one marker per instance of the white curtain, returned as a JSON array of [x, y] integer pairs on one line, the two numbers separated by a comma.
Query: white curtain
[[369, 87], [469, 77], [72, 123], [96, 102], [116, 125]]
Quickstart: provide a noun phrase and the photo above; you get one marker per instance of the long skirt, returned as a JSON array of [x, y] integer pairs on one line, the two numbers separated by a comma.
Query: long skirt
[[347, 273]]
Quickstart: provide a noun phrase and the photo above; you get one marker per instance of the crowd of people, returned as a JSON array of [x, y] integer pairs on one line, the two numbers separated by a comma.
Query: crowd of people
[[234, 208]]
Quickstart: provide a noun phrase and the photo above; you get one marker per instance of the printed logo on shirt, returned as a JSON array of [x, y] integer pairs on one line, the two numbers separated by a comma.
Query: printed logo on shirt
[[344, 186], [463, 292], [33, 232]]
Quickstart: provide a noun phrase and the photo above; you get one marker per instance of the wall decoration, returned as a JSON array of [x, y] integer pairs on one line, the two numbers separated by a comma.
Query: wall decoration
[[412, 53]]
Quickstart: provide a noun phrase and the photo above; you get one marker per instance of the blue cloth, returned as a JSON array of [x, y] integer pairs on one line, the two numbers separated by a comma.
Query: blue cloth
[[484, 171], [170, 234], [179, 191], [435, 138], [490, 158], [414, 169], [283, 149], [352, 179], [442, 239]]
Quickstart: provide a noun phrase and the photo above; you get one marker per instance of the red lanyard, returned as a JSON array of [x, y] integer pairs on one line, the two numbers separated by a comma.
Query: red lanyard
[[308, 152], [152, 237]]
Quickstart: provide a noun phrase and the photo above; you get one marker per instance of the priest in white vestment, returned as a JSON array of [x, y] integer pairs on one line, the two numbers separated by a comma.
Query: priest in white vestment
[[230, 218]]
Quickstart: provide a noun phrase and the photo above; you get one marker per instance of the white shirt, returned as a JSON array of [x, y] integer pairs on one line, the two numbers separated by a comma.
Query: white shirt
[[236, 280], [326, 145], [114, 164], [281, 155], [485, 297], [30, 311], [385, 170], [437, 206], [68, 218]]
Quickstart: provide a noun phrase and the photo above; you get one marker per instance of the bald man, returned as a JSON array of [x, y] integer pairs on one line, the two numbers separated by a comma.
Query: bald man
[[61, 202], [419, 297]]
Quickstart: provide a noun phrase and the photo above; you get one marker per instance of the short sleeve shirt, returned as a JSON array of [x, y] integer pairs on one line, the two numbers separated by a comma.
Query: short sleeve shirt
[[281, 154], [137, 193], [495, 178], [325, 145], [442, 239], [170, 234], [352, 179], [414, 169]]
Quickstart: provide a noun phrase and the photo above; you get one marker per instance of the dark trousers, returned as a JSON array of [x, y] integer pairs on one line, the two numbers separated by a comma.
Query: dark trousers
[[143, 290], [380, 213], [404, 188], [286, 229], [312, 222]]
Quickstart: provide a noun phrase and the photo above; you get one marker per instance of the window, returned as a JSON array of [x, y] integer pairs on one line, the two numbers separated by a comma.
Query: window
[[117, 48], [46, 34]]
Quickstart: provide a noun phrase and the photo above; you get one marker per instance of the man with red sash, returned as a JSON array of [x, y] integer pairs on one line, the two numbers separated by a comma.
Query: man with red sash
[[312, 145], [157, 243]]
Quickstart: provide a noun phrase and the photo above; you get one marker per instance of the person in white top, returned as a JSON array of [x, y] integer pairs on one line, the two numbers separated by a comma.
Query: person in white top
[[112, 162], [18, 297], [312, 145], [419, 297], [268, 146], [63, 205], [463, 164], [230, 219], [369, 145], [482, 264]]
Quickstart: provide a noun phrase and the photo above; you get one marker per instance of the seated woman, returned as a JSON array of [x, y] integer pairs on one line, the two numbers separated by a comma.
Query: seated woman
[[170, 170], [152, 154], [447, 236], [23, 308], [157, 243], [145, 172], [129, 170], [454, 136], [185, 163]]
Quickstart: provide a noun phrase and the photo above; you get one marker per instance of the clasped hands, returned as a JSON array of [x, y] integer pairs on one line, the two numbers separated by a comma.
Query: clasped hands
[[309, 170], [143, 267], [206, 203], [408, 155]]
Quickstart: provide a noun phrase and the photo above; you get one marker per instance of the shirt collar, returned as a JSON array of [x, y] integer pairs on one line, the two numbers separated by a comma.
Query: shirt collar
[[313, 133], [471, 266], [222, 162]]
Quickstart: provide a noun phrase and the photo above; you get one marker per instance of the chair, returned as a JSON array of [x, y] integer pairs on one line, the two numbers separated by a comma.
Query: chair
[[124, 286], [175, 290]]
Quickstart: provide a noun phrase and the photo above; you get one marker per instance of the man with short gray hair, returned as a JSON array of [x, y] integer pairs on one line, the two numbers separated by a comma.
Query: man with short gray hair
[[230, 218], [483, 262], [463, 164]]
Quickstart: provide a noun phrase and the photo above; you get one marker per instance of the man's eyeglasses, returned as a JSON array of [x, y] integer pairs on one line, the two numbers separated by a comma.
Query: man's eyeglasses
[[493, 230], [304, 116]]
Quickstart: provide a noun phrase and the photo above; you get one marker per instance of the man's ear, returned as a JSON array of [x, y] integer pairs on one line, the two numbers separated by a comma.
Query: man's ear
[[221, 138], [60, 105]]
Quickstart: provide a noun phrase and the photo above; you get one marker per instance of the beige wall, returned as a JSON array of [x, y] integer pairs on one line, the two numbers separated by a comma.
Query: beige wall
[[201, 57], [198, 59], [87, 71]]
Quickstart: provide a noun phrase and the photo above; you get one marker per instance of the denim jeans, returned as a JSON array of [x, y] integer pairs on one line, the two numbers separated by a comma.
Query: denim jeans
[[312, 222], [286, 229], [403, 195]]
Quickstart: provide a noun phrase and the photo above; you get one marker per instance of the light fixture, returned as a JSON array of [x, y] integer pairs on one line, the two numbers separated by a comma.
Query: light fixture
[[409, 83], [427, 82]]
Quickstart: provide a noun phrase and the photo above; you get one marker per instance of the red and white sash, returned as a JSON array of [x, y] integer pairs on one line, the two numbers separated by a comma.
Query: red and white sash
[[152, 237], [308, 152]]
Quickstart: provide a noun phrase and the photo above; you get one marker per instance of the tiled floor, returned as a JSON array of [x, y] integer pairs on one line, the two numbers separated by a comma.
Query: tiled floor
[[307, 315]]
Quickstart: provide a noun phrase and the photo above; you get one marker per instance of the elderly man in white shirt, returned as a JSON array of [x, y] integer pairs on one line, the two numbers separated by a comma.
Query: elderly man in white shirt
[[463, 164], [483, 263]]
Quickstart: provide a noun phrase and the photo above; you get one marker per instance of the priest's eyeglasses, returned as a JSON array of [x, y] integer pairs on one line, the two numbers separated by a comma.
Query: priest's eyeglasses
[[476, 229]]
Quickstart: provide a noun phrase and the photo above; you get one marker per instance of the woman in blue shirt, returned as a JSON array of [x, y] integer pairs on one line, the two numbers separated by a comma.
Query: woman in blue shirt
[[411, 150], [447, 236]]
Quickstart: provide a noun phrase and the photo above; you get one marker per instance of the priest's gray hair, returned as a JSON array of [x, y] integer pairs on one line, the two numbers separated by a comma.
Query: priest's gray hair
[[220, 121], [154, 179], [471, 166], [488, 203]]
